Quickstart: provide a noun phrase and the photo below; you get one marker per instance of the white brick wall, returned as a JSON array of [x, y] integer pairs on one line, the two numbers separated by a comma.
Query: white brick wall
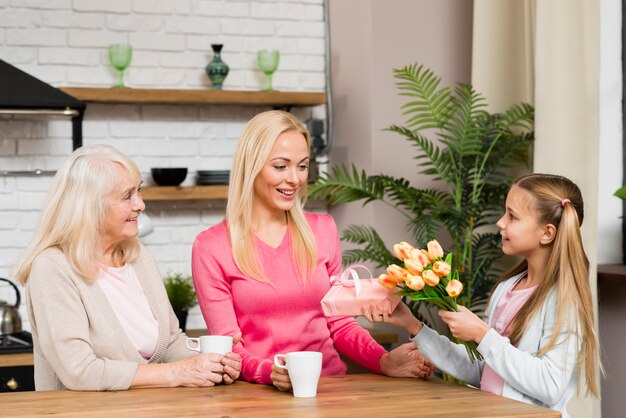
[[64, 42]]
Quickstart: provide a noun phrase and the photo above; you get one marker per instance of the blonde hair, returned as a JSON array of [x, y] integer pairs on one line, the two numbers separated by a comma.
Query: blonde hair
[[567, 271], [251, 154], [73, 216]]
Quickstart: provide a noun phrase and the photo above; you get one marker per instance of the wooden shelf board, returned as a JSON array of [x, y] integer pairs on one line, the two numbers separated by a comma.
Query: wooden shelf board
[[14, 360], [217, 192], [194, 97], [184, 193]]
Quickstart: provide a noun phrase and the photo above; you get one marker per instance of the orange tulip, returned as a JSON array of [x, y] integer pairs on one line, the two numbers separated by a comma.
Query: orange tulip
[[385, 281], [402, 250], [422, 257], [434, 250], [413, 266], [430, 278], [441, 268], [396, 272], [454, 288], [415, 282]]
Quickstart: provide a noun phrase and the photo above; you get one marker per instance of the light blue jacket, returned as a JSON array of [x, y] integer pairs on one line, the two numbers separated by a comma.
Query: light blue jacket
[[549, 381]]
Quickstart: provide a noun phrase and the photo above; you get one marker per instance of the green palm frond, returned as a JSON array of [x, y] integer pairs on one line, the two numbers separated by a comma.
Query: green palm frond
[[432, 158], [375, 249], [431, 106], [343, 185]]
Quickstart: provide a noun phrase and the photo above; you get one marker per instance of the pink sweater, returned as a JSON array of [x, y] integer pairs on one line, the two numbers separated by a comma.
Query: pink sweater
[[282, 316]]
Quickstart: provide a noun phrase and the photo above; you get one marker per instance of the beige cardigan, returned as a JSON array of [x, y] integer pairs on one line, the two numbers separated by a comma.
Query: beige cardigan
[[79, 343]]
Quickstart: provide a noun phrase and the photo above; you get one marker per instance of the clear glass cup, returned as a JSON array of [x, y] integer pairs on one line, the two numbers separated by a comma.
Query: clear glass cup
[[120, 56], [268, 63]]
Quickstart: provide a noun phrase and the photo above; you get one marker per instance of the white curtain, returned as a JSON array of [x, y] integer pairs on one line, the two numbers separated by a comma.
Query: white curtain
[[547, 53]]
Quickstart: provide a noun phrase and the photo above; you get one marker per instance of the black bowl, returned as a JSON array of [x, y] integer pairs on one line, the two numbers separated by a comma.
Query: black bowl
[[169, 176]]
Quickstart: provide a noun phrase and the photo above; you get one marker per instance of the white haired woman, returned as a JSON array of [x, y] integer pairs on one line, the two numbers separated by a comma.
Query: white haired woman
[[97, 305], [264, 270]]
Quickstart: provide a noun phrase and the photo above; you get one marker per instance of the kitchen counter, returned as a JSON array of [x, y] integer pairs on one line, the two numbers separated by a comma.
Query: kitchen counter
[[341, 396]]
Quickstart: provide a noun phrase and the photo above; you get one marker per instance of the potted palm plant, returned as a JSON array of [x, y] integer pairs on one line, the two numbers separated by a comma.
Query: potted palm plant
[[182, 295], [469, 153]]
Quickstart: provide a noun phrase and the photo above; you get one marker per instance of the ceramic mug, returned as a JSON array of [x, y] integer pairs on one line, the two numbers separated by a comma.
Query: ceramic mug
[[304, 369], [220, 344]]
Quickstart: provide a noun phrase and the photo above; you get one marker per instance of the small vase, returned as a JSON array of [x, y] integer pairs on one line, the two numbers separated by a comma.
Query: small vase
[[217, 70]]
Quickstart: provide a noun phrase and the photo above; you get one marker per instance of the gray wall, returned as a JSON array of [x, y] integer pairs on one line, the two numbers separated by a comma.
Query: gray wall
[[368, 40]]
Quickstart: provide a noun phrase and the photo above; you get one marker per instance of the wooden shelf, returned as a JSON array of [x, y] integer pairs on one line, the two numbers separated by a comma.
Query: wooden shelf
[[184, 193], [195, 97], [15, 360]]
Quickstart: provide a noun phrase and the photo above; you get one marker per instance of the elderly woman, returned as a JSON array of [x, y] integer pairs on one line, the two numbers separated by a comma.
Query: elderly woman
[[264, 270], [98, 308]]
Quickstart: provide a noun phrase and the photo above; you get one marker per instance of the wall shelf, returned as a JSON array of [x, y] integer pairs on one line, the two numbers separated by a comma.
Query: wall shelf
[[164, 193], [195, 97], [217, 192]]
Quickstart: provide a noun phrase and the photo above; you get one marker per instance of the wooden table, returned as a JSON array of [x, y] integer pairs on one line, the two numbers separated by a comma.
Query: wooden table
[[338, 396]]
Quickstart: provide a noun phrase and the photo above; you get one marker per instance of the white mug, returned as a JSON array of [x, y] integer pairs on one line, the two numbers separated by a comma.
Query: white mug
[[304, 369], [220, 344]]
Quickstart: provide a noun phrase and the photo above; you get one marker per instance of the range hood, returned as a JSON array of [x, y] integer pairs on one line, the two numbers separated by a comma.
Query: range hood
[[23, 94]]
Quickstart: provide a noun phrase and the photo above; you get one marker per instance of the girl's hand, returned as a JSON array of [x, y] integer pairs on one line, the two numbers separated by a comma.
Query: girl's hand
[[401, 317], [465, 325], [406, 361], [232, 367], [280, 378]]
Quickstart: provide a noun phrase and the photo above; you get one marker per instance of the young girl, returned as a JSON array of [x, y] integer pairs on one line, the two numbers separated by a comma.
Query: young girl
[[264, 270], [539, 333]]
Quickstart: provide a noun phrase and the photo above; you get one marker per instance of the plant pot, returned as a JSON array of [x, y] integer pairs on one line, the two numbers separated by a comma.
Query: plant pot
[[182, 318]]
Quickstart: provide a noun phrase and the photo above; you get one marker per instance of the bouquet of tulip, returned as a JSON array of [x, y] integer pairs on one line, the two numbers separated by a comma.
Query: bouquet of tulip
[[427, 276]]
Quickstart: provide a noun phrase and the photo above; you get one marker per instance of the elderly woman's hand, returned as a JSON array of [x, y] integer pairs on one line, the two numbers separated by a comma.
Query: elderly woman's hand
[[205, 369]]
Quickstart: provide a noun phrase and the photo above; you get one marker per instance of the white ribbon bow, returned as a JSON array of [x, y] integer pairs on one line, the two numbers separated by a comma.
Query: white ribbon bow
[[344, 280]]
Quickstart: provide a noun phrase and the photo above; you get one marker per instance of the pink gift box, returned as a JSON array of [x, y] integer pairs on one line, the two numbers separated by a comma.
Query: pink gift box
[[348, 296]]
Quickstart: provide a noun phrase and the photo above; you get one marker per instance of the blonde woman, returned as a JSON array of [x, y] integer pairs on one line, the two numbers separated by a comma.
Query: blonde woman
[[264, 270], [98, 309]]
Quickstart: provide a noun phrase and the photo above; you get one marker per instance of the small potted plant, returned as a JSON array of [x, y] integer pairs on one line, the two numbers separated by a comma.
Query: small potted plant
[[181, 294]]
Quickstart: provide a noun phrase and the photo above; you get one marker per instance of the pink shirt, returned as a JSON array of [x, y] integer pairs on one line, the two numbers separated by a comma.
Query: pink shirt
[[508, 306], [129, 302], [282, 316]]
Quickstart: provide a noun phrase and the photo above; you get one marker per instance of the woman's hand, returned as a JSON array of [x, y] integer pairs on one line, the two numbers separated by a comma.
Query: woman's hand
[[406, 361], [280, 378], [232, 363], [465, 325], [232, 367], [401, 317]]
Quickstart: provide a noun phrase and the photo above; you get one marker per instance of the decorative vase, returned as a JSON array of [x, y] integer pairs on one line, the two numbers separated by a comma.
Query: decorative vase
[[217, 70]]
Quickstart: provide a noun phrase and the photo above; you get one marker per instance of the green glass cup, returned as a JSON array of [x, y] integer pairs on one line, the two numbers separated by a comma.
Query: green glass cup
[[268, 63], [120, 56]]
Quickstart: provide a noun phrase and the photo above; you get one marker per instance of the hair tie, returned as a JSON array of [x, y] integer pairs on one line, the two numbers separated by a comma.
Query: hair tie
[[564, 201]]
